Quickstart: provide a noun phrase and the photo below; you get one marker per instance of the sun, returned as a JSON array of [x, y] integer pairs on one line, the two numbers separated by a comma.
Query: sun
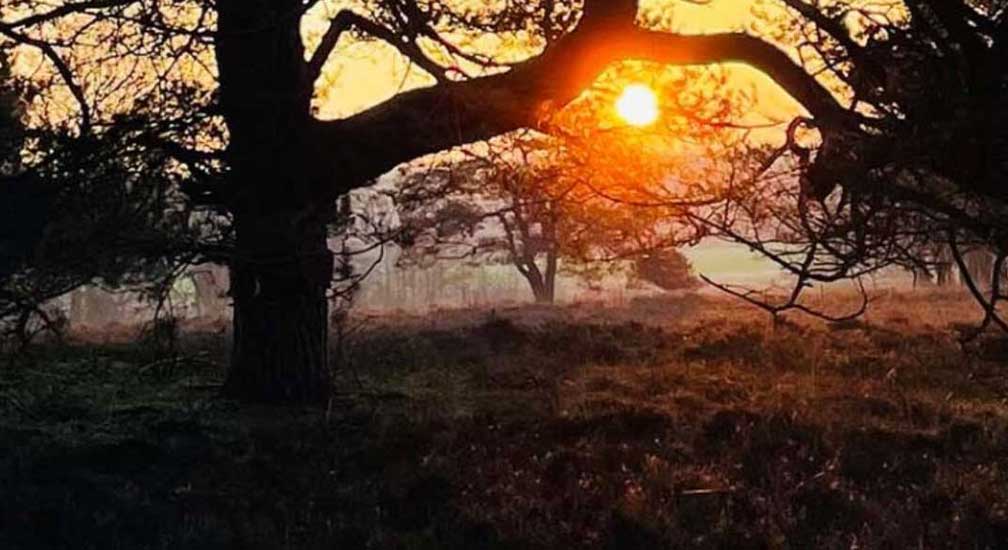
[[638, 105]]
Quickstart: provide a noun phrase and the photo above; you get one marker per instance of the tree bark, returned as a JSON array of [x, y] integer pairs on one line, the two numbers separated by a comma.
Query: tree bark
[[280, 280], [280, 350], [282, 265]]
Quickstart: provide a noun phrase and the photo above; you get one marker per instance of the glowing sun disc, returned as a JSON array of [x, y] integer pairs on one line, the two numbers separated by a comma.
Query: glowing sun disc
[[638, 105]]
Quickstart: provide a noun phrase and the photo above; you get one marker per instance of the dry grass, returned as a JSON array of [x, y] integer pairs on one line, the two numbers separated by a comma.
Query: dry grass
[[688, 422]]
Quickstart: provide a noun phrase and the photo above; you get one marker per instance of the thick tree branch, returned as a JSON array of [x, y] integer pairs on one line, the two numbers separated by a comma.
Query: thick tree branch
[[433, 119], [339, 24]]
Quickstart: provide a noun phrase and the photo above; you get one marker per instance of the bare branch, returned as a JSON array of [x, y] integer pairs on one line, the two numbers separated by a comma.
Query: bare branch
[[64, 10], [62, 68], [347, 19]]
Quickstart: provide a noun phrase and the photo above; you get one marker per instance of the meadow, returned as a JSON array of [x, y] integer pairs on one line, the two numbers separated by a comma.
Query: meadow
[[690, 421]]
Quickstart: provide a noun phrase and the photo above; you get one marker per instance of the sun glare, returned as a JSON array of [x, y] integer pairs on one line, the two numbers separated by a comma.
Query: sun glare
[[638, 105]]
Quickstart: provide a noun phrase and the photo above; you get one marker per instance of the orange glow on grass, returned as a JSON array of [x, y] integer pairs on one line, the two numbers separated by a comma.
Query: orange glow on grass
[[638, 105]]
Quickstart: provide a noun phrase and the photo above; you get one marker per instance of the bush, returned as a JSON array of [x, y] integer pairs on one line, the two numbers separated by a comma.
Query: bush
[[667, 269]]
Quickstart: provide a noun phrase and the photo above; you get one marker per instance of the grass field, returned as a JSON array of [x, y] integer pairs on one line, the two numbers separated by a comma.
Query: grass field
[[685, 422]]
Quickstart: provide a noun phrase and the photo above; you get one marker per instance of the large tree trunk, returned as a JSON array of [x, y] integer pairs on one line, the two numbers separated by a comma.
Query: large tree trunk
[[282, 266], [280, 348]]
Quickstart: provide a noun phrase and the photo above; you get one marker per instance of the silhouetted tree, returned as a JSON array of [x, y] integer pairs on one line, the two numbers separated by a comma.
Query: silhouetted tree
[[902, 162], [102, 209], [528, 202], [906, 106]]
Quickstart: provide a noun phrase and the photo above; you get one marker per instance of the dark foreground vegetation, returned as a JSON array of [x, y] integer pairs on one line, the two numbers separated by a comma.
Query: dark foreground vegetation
[[697, 425]]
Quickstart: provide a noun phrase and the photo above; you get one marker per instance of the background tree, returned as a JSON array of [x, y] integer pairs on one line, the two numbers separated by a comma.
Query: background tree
[[589, 198], [526, 202], [907, 173], [666, 269], [95, 210]]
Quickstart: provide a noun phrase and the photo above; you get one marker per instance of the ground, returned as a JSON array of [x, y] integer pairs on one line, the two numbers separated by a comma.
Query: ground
[[684, 422]]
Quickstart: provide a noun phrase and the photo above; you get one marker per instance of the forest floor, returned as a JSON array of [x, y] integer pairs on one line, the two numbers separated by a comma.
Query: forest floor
[[684, 422]]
